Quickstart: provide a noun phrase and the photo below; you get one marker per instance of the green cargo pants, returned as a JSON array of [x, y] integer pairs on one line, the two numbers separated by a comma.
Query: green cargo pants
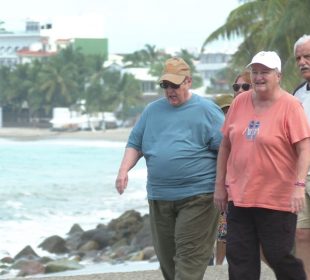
[[184, 233]]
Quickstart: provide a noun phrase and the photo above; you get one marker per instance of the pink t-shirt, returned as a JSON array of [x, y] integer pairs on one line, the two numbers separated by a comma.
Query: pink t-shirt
[[261, 168]]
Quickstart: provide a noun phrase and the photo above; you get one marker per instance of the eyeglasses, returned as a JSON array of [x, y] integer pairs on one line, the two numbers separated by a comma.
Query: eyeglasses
[[166, 84], [245, 87]]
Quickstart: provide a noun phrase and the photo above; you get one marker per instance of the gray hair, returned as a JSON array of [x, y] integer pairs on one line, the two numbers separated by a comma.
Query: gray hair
[[303, 39]]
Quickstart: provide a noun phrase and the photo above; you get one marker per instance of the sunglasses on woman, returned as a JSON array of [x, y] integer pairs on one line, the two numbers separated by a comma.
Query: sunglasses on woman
[[245, 87], [165, 85]]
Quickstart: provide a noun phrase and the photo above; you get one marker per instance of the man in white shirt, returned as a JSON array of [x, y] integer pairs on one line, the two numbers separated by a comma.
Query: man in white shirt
[[302, 92]]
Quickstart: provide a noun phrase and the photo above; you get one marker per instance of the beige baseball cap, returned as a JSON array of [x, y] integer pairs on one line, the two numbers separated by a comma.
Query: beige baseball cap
[[175, 71]]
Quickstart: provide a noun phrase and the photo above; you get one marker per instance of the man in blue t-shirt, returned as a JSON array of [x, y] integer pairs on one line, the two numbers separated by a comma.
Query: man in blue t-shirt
[[179, 137]]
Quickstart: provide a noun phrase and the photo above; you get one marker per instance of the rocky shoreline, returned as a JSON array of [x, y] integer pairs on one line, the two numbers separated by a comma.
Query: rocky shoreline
[[127, 238]]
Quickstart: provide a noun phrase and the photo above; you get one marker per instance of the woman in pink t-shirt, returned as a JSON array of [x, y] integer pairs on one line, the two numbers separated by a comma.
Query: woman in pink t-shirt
[[262, 166]]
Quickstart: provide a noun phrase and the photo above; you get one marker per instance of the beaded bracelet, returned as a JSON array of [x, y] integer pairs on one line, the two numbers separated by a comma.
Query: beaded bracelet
[[300, 184]]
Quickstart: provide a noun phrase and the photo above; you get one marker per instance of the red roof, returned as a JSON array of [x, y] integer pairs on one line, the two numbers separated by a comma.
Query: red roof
[[35, 53]]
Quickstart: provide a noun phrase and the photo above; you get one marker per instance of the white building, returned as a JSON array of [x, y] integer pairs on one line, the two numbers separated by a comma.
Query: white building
[[215, 57], [148, 82], [21, 47]]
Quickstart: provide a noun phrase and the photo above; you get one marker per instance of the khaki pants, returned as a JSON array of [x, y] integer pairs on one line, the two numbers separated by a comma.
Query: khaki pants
[[184, 233], [303, 220]]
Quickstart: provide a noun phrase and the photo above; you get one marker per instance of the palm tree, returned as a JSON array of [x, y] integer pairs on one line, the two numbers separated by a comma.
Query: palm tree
[[142, 58], [130, 95], [266, 25], [108, 88], [58, 83], [15, 86]]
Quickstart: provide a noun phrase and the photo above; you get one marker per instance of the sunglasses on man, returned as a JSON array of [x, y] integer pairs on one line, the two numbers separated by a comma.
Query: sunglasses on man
[[244, 86], [166, 84]]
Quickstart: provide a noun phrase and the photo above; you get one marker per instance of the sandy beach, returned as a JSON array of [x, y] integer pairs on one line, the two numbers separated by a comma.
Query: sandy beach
[[213, 273], [30, 134]]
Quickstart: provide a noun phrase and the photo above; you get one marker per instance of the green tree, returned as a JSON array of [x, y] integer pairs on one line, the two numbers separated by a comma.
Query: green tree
[[266, 25], [101, 91], [60, 80], [36, 98], [15, 85], [5, 74], [58, 84], [112, 90], [142, 58], [130, 95]]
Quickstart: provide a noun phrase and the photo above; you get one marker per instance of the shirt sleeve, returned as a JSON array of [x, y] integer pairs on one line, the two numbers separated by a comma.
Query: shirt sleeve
[[136, 135], [297, 123], [215, 123]]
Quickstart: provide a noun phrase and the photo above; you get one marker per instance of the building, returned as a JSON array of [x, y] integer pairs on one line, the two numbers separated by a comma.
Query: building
[[13, 46], [91, 46], [214, 59], [40, 41], [88, 46], [211, 63], [148, 83]]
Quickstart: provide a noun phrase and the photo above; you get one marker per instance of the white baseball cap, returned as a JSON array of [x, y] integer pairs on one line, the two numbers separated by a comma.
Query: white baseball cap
[[269, 59]]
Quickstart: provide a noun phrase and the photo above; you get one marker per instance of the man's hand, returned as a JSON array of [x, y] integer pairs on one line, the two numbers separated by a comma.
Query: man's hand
[[121, 182]]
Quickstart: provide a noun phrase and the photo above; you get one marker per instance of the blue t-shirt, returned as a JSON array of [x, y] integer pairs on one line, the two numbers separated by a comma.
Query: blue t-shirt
[[180, 147]]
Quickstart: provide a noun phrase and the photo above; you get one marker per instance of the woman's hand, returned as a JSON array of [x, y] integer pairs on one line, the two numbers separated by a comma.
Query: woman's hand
[[220, 197], [298, 199]]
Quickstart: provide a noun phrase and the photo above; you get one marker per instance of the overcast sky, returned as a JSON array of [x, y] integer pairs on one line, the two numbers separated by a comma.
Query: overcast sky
[[128, 24]]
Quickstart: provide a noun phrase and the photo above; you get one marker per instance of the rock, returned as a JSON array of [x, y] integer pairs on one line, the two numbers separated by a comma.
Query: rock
[[4, 271], [54, 244], [126, 226], [101, 235], [120, 243], [74, 241], [148, 253], [143, 238], [62, 265], [101, 258], [30, 267], [3, 266], [90, 245], [76, 228], [87, 255], [153, 259], [7, 259], [45, 259], [137, 256], [122, 252], [26, 253]]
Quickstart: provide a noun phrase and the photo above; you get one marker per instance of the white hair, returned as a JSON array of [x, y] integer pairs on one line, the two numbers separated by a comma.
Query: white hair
[[303, 39]]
